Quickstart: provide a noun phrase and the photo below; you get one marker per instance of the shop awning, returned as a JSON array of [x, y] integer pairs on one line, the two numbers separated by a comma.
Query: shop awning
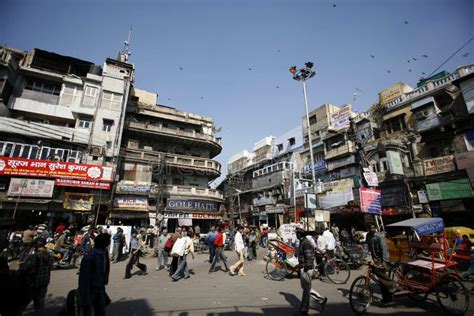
[[128, 214]]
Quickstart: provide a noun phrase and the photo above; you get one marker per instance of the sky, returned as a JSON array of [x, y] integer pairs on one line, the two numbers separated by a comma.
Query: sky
[[229, 59]]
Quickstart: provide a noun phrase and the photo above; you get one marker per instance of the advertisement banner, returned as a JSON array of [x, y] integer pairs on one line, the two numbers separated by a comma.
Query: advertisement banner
[[422, 196], [54, 169], [395, 162], [131, 202], [391, 93], [465, 160], [370, 200], [449, 190], [439, 165], [31, 187], [133, 187], [82, 184], [340, 118], [371, 178], [333, 199], [78, 201], [168, 215]]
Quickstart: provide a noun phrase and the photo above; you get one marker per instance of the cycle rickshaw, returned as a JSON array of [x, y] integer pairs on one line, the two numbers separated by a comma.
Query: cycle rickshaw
[[430, 270]]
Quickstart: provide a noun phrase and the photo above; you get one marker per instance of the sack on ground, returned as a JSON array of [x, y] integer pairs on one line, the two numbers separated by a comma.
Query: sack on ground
[[178, 247]]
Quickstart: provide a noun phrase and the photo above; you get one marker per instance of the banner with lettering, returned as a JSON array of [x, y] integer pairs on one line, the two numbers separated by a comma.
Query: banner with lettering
[[78, 201], [54, 169], [192, 205]]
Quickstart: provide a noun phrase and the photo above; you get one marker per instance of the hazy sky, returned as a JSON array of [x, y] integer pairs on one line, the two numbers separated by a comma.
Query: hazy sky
[[235, 55]]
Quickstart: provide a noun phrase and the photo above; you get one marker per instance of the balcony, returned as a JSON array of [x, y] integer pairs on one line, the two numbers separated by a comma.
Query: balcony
[[433, 122], [190, 136], [42, 104], [347, 148], [202, 165], [194, 192]]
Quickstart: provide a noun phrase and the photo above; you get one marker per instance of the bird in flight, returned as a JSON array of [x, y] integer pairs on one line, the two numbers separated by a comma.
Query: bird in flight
[[414, 58], [202, 98], [426, 56], [372, 56], [333, 5], [408, 60], [250, 68], [406, 22], [388, 71], [180, 68], [278, 87], [465, 55], [409, 70]]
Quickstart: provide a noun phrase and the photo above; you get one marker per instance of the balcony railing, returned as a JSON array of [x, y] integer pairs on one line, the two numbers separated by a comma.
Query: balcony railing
[[174, 160], [152, 128], [431, 86], [178, 190], [341, 150], [433, 122]]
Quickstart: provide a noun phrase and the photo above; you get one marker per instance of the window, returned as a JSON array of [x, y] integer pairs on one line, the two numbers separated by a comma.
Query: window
[[107, 125], [396, 124], [43, 86], [85, 122], [292, 141], [312, 120], [111, 100], [90, 94], [280, 147], [70, 95]]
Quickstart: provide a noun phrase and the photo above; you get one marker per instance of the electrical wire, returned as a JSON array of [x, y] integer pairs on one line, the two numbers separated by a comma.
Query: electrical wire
[[464, 45]]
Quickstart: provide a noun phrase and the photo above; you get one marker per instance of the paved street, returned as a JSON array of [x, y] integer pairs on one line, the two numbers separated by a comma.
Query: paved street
[[218, 293]]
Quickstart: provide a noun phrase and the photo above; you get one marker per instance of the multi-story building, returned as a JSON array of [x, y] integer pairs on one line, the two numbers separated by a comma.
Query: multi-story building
[[60, 133], [166, 165]]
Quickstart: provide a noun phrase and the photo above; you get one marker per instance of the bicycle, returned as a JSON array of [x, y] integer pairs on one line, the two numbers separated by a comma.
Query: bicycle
[[416, 283], [335, 270]]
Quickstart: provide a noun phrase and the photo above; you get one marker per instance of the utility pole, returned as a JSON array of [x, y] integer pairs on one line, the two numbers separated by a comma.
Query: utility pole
[[159, 188]]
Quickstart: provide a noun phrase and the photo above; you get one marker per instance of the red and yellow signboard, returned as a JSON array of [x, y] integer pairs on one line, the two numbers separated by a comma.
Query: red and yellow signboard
[[54, 169]]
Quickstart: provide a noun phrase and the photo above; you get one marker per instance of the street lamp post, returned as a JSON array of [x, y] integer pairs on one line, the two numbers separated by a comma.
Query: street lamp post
[[302, 75]]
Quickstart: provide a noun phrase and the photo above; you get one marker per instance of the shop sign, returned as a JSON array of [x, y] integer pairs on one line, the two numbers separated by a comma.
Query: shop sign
[[347, 172], [274, 209], [338, 185], [54, 169], [333, 199], [82, 184], [371, 178], [341, 162], [391, 93], [340, 118], [395, 162], [287, 232], [439, 165], [192, 205], [370, 201], [191, 215], [264, 200], [448, 190], [31, 187], [131, 202], [322, 216], [133, 187], [78, 201], [465, 160], [318, 166], [422, 196], [394, 195]]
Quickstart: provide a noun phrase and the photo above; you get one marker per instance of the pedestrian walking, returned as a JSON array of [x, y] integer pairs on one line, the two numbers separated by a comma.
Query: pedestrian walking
[[94, 276], [330, 242], [88, 240], [210, 238], [37, 272], [135, 253], [219, 243], [252, 252], [183, 271], [335, 231], [239, 250], [118, 243], [306, 261], [174, 260], [162, 254]]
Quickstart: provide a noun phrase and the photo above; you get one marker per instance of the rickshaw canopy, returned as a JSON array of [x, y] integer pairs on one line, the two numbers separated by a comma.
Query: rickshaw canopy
[[422, 226]]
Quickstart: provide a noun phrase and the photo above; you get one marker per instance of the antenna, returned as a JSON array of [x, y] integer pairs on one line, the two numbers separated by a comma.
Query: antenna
[[125, 52]]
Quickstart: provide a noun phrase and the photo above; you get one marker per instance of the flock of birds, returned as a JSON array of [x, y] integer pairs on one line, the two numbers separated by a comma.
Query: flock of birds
[[372, 56]]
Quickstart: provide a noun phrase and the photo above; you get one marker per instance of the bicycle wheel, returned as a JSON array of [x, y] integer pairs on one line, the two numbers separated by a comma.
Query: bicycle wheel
[[276, 269], [360, 295], [452, 295], [337, 271]]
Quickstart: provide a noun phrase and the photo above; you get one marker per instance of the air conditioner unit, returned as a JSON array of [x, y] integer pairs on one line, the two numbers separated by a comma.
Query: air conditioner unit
[[96, 151]]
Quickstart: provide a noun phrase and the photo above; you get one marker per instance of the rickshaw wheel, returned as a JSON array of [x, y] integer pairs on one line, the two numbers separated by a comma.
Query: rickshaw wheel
[[452, 295], [337, 271], [360, 295], [416, 276], [276, 269]]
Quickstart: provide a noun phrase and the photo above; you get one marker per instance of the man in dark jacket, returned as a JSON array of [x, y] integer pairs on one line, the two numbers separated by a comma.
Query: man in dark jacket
[[306, 262], [93, 277]]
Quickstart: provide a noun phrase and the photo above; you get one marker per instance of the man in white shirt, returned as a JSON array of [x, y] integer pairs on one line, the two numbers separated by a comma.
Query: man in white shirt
[[330, 242], [239, 249]]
